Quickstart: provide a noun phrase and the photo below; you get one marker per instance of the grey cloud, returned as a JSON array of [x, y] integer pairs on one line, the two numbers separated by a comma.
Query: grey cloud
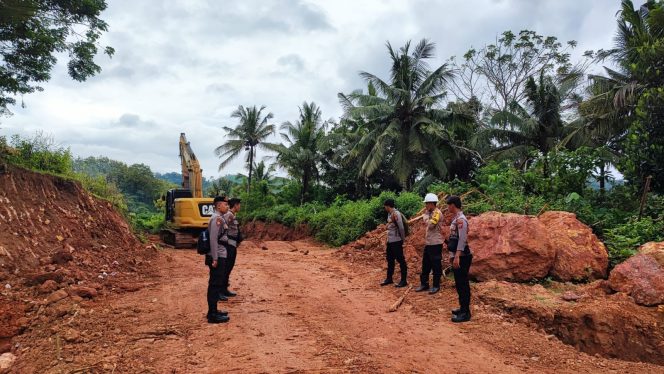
[[220, 88], [184, 66], [133, 121], [292, 61]]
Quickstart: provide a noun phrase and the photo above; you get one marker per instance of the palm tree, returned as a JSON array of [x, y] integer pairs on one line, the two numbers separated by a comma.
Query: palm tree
[[250, 133], [263, 172], [220, 186], [538, 125], [406, 125], [301, 155], [611, 109]]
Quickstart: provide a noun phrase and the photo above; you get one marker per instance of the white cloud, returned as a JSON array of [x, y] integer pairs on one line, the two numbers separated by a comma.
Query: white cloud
[[184, 66]]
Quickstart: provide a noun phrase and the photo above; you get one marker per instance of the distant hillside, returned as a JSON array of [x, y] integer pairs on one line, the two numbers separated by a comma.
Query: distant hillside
[[176, 179]]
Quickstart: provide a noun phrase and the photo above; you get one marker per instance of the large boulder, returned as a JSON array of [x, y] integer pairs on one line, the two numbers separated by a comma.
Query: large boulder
[[509, 246], [642, 275], [579, 254]]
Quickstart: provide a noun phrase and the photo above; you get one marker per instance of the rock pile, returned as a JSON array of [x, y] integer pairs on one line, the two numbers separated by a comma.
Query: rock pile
[[515, 247], [642, 275]]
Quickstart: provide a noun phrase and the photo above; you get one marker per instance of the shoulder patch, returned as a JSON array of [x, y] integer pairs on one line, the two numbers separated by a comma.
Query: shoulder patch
[[460, 223], [218, 221]]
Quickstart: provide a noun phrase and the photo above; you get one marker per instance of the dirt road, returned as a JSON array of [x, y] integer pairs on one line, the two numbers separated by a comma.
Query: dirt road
[[300, 309]]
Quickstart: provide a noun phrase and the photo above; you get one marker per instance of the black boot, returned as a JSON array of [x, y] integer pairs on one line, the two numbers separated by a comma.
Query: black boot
[[461, 317], [215, 317], [436, 285], [228, 293], [222, 297], [386, 282], [422, 287], [401, 284], [456, 311]]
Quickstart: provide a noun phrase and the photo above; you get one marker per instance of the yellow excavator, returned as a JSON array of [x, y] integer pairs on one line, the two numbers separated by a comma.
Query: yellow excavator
[[187, 211]]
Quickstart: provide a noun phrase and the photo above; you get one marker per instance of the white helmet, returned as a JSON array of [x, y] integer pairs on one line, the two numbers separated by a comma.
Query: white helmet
[[431, 198]]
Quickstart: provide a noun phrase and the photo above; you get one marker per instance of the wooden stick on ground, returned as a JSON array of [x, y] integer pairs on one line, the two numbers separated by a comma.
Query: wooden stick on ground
[[398, 303], [446, 270]]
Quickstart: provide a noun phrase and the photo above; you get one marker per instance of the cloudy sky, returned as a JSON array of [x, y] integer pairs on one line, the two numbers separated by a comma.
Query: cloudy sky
[[185, 65]]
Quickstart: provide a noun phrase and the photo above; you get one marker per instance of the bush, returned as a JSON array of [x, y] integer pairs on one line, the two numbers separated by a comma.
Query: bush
[[40, 153], [147, 220], [623, 240], [338, 223]]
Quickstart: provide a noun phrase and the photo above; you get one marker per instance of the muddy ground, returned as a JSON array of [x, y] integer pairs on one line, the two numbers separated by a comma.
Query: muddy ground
[[301, 308]]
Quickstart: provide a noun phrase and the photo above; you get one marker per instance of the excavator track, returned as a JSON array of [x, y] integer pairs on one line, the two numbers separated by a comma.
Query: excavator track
[[179, 239]]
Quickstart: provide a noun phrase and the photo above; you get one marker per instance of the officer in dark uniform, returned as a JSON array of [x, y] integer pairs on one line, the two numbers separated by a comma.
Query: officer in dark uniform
[[215, 260], [460, 257], [234, 238]]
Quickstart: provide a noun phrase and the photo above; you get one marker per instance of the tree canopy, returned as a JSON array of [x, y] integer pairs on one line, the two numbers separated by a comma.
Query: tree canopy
[[32, 32]]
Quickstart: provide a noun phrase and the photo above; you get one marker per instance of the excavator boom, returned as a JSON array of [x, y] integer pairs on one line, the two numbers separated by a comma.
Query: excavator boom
[[192, 175]]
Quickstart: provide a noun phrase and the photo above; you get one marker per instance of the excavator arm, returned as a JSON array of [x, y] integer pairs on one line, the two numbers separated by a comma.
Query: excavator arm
[[192, 175]]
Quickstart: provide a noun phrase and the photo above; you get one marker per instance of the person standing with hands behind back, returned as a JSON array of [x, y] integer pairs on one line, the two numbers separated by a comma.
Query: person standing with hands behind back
[[215, 260], [396, 235], [460, 257]]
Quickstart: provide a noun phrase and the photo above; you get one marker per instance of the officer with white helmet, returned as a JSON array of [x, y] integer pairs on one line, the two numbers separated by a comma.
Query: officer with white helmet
[[432, 255]]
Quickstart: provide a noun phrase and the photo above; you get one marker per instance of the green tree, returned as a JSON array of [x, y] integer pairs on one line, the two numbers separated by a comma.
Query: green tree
[[406, 125], [264, 172], [538, 125], [301, 155], [496, 75], [250, 133], [220, 186], [32, 32], [633, 95]]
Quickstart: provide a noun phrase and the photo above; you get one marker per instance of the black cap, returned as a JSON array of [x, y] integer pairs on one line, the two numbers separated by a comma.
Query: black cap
[[456, 200], [233, 201], [389, 202], [219, 199]]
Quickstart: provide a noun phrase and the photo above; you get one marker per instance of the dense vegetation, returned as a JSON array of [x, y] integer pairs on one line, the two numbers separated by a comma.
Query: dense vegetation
[[515, 126]]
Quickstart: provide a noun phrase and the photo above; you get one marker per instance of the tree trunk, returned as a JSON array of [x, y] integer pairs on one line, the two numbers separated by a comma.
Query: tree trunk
[[546, 165], [305, 186], [251, 167], [602, 179]]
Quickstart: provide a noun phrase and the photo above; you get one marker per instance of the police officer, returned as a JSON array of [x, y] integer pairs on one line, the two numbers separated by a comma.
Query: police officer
[[460, 257], [396, 234], [233, 241], [215, 260], [432, 256]]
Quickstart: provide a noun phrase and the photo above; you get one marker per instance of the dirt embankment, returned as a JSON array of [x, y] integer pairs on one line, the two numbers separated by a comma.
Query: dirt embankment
[[257, 230], [58, 246], [590, 317]]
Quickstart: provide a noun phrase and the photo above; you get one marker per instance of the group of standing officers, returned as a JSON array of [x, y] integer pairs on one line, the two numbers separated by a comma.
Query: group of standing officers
[[459, 254], [225, 236]]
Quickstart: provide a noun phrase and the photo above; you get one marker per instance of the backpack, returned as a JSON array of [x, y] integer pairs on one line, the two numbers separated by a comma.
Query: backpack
[[406, 230], [203, 244]]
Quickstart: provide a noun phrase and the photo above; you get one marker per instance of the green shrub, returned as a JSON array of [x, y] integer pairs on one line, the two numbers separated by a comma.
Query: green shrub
[[40, 153], [623, 240], [338, 223], [409, 203]]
